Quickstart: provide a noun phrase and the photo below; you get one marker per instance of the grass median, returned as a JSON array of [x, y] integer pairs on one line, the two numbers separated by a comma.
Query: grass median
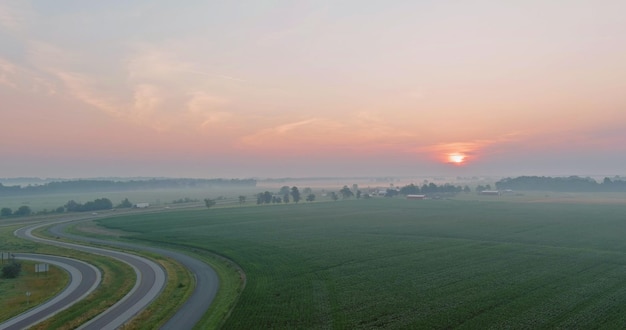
[[117, 280], [180, 282]]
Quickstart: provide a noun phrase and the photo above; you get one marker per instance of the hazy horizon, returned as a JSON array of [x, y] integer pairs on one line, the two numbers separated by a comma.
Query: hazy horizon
[[279, 89]]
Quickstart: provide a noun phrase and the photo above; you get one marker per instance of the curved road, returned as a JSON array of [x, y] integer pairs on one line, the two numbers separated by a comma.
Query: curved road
[[207, 281], [151, 279], [84, 278]]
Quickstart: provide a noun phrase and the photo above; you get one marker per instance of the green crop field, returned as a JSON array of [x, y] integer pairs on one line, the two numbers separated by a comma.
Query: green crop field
[[395, 263]]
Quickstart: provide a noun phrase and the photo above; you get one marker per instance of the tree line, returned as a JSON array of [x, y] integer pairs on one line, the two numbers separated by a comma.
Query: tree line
[[429, 189], [110, 185], [71, 206], [286, 194], [563, 184]]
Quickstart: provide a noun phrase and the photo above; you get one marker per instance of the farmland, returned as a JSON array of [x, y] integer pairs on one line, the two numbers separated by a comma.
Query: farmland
[[411, 264]]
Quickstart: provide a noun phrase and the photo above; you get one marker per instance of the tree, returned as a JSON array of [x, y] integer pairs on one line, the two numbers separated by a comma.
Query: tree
[[11, 270], [358, 194], [97, 204], [284, 190], [310, 197], [23, 211], [125, 204], [267, 197], [295, 194], [346, 192], [307, 191], [466, 189], [391, 192], [60, 209], [242, 199], [286, 198], [6, 212], [410, 190], [209, 202], [334, 196], [72, 206]]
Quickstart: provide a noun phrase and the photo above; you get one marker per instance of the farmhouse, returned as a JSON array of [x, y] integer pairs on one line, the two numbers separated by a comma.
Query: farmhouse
[[415, 196], [141, 205]]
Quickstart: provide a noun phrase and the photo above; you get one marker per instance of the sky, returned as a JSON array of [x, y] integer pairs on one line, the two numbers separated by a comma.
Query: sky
[[312, 88]]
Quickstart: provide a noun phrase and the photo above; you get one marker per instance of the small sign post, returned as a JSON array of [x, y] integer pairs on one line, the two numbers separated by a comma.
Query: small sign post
[[4, 256], [41, 268], [27, 297]]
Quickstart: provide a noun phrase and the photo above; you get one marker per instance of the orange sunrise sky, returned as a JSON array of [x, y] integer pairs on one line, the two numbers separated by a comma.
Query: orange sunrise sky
[[312, 88]]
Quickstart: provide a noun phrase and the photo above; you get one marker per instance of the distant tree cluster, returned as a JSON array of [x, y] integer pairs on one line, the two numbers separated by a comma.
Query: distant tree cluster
[[564, 184], [22, 211], [184, 200], [70, 206], [209, 202], [345, 192], [110, 185], [428, 189], [480, 188], [124, 204], [96, 205], [284, 195], [264, 197]]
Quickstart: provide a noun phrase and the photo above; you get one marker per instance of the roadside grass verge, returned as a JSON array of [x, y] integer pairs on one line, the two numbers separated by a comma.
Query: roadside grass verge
[[179, 287], [232, 278], [41, 286], [117, 280], [232, 282], [180, 282]]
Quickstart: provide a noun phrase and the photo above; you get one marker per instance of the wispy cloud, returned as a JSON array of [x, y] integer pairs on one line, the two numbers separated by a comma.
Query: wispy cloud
[[219, 76], [14, 15], [156, 65], [360, 133], [146, 100], [282, 129], [161, 91], [81, 87], [7, 74], [207, 108], [20, 77], [287, 133]]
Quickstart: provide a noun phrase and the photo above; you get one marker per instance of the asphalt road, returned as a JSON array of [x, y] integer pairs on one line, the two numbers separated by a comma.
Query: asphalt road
[[84, 278], [151, 281], [207, 281]]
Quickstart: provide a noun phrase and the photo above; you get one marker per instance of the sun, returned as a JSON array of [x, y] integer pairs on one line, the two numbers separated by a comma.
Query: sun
[[456, 158]]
